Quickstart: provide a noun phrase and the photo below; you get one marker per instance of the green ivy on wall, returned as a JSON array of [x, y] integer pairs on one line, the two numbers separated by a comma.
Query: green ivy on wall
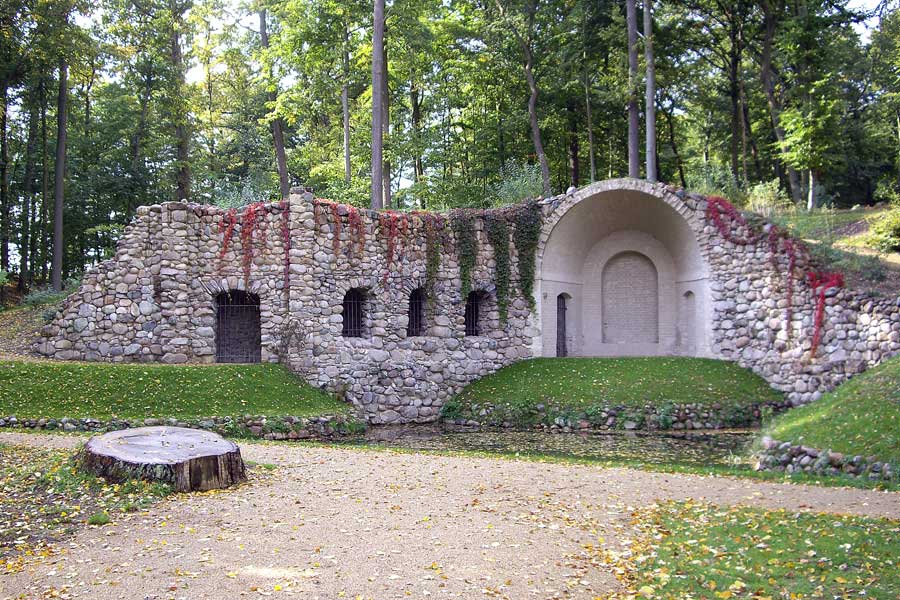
[[527, 219], [497, 229], [463, 223]]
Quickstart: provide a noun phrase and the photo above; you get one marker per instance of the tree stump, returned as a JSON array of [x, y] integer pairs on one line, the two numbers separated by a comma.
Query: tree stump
[[188, 459]]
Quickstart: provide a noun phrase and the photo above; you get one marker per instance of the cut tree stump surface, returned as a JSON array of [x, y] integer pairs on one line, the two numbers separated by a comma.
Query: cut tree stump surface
[[188, 459]]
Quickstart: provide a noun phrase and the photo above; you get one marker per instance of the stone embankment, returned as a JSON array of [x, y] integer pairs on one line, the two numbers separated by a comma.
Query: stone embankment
[[795, 458], [677, 417], [323, 427]]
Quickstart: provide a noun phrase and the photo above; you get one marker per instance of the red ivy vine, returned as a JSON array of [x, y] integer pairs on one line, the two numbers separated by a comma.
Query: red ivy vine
[[286, 241], [393, 224], [226, 227], [249, 219], [338, 225], [821, 283], [724, 215], [354, 219]]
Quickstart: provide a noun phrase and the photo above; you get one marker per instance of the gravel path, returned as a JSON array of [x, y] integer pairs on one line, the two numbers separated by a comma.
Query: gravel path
[[346, 523]]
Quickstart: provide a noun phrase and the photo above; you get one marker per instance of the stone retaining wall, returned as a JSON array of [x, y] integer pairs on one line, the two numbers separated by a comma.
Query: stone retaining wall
[[794, 458], [324, 427], [155, 301], [676, 417]]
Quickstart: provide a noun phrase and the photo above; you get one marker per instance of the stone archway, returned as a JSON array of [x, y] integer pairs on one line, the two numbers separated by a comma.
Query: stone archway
[[626, 254]]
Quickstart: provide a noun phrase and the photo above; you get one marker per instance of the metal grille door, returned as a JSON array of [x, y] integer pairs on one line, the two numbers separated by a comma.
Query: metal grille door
[[238, 331], [561, 349], [353, 313], [416, 313], [472, 306]]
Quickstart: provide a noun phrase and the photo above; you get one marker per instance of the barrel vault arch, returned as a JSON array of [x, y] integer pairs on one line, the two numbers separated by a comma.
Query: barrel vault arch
[[587, 241]]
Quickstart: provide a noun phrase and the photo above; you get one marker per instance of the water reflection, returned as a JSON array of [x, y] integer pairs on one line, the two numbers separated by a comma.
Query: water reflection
[[688, 448]]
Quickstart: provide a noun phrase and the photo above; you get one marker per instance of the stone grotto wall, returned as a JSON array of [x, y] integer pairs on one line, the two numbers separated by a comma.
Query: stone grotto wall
[[155, 300]]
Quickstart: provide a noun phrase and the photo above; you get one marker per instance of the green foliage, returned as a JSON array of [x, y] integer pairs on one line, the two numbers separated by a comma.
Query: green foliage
[[104, 391], [463, 224], [716, 180], [861, 416], [699, 550], [44, 296], [519, 181], [766, 198], [527, 221], [4, 278], [497, 230], [572, 387], [53, 496], [100, 518], [887, 191], [434, 232], [885, 232]]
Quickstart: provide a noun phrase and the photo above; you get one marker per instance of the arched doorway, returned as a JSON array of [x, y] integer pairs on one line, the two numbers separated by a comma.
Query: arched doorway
[[238, 331], [630, 291], [562, 344]]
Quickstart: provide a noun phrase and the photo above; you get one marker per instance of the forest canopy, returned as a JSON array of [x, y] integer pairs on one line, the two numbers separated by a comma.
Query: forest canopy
[[113, 104]]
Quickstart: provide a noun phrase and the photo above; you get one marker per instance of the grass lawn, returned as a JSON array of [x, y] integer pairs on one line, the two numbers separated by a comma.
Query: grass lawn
[[821, 224], [691, 550], [44, 497], [862, 416], [103, 391], [582, 386]]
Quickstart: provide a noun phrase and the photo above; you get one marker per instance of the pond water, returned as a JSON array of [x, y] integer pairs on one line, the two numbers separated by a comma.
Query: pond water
[[707, 448]]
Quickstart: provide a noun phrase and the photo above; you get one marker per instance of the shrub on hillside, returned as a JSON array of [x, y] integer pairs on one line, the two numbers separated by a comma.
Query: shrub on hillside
[[767, 197], [886, 231], [47, 295], [519, 181]]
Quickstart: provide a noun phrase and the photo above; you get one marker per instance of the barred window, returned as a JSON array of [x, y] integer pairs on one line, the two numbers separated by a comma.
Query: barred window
[[473, 308], [416, 325], [354, 313], [238, 330]]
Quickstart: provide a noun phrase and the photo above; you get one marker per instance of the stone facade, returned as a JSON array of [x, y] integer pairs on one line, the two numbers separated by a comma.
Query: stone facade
[[639, 267]]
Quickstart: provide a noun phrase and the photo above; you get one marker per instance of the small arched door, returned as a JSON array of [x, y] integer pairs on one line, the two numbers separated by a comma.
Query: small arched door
[[238, 331], [562, 348]]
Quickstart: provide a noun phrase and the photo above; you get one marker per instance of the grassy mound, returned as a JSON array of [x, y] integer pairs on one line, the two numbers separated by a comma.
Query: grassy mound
[[542, 389], [103, 391], [861, 417], [692, 550]]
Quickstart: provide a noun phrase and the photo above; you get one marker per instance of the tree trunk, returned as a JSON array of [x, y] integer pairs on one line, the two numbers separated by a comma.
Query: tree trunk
[[345, 102], [377, 108], [415, 100], [284, 180], [386, 124], [651, 92], [187, 459], [182, 132], [573, 149], [734, 66], [59, 175], [771, 97], [674, 145], [811, 192], [532, 100], [4, 180], [590, 129], [28, 193], [634, 167], [45, 186]]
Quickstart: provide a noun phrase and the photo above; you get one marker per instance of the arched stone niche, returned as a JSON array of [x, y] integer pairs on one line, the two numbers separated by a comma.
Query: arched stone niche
[[625, 253]]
